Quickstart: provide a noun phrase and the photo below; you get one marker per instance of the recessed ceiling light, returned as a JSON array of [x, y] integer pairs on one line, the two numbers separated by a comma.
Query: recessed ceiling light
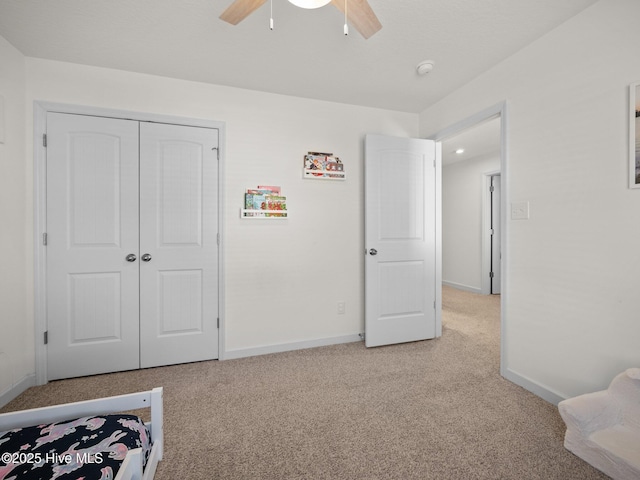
[[460, 151]]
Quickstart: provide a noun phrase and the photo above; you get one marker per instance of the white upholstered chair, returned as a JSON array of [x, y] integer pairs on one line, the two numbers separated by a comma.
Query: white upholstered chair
[[603, 428]]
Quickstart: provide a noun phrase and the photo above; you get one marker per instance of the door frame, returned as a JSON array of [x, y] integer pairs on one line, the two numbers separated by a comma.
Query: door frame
[[497, 110], [40, 111]]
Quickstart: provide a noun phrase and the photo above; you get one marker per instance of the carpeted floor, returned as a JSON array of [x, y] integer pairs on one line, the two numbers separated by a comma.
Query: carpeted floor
[[436, 409]]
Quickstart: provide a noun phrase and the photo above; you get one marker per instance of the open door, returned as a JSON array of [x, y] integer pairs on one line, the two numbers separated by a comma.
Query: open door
[[400, 240], [496, 249]]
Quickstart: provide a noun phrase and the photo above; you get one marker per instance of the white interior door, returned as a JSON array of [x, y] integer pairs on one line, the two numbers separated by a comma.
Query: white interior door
[[132, 253], [92, 225], [496, 251], [178, 244], [400, 240]]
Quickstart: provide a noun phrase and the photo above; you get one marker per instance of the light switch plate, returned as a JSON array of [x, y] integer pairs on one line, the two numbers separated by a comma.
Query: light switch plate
[[519, 210]]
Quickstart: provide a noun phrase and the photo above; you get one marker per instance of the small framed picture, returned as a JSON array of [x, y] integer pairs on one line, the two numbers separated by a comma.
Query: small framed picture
[[634, 136], [323, 166]]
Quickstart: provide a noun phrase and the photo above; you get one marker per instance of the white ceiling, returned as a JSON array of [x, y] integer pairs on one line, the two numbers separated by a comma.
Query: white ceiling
[[306, 55]]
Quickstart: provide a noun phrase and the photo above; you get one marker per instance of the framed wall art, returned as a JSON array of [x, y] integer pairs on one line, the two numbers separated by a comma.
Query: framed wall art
[[323, 166], [634, 136]]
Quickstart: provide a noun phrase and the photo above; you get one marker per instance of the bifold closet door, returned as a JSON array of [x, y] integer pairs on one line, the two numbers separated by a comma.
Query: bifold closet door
[[92, 239], [178, 244]]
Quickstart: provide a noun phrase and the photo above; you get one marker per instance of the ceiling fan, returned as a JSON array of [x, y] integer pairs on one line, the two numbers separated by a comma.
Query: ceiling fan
[[359, 12]]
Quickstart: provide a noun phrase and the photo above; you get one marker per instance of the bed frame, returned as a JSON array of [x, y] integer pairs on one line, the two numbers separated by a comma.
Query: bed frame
[[131, 468]]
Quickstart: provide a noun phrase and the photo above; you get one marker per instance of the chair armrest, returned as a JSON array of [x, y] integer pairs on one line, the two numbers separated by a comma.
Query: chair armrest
[[589, 412]]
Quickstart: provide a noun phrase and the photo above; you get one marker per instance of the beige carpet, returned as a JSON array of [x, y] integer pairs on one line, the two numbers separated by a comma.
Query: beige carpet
[[436, 409]]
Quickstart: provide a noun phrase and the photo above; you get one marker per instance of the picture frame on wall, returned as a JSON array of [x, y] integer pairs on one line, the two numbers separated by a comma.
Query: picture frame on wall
[[634, 135], [323, 166]]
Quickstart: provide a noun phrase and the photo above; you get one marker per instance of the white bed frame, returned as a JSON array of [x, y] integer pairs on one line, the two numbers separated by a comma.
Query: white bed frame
[[131, 468]]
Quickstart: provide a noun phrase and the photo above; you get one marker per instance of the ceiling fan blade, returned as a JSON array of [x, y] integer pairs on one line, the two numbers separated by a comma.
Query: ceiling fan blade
[[360, 15], [240, 9]]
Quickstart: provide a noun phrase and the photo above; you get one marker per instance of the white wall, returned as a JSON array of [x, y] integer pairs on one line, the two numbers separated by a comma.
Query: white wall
[[462, 196], [571, 310], [284, 278], [572, 276], [16, 302]]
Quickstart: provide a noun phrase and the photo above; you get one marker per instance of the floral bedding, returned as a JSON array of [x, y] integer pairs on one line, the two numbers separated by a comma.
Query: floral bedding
[[84, 449]]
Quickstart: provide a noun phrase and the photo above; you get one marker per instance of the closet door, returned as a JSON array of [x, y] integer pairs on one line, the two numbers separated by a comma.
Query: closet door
[[178, 244], [92, 245]]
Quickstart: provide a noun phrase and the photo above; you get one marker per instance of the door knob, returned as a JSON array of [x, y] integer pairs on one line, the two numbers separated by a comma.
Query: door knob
[[373, 251], [130, 258], [146, 257]]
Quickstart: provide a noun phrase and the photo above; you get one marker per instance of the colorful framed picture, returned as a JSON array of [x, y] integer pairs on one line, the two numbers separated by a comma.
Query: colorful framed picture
[[323, 166], [634, 136]]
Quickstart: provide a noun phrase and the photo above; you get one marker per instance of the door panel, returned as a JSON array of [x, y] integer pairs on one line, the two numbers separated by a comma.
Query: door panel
[[95, 303], [180, 309], [178, 229], [92, 225], [94, 189], [177, 167], [400, 240], [401, 196]]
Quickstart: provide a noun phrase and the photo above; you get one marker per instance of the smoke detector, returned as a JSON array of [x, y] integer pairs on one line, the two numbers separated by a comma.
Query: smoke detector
[[424, 67]]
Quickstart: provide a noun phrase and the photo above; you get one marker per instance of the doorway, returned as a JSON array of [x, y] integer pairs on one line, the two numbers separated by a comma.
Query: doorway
[[470, 208], [498, 115]]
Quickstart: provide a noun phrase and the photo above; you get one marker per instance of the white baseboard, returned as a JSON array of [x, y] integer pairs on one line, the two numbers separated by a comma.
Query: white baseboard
[[287, 347], [17, 389], [534, 387], [461, 286]]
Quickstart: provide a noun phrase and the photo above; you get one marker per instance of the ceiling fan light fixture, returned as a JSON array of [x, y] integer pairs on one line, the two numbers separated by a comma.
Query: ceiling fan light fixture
[[360, 15], [310, 3]]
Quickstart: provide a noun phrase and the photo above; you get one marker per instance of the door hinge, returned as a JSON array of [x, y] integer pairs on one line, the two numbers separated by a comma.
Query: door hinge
[[46, 337], [491, 274], [44, 238], [44, 140], [218, 238], [492, 188], [217, 152], [218, 323]]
